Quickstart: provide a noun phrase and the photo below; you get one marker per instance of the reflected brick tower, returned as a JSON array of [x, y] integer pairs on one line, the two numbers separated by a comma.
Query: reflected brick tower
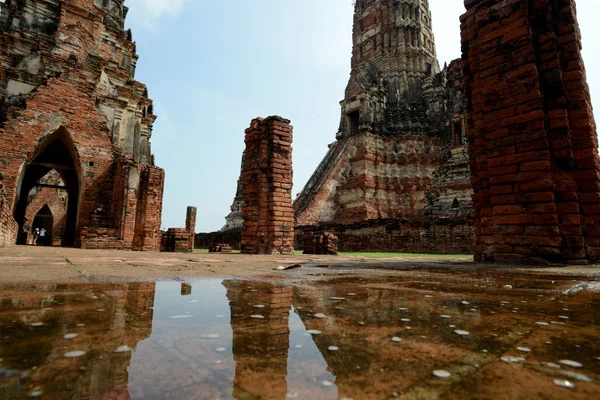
[[394, 125]]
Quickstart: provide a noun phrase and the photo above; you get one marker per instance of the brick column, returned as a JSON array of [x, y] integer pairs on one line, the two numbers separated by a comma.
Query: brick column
[[267, 184], [532, 135], [190, 225]]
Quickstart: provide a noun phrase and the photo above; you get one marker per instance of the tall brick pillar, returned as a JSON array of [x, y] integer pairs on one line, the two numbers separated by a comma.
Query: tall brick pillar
[[267, 184], [190, 224], [532, 136]]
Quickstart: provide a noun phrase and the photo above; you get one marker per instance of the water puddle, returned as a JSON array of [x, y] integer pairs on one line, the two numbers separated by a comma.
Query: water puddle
[[372, 337]]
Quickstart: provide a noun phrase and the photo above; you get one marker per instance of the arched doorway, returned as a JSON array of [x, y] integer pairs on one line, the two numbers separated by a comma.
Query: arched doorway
[[57, 152], [44, 220]]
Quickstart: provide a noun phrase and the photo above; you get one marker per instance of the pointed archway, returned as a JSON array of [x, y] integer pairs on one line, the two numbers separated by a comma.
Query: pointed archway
[[57, 151], [44, 221]]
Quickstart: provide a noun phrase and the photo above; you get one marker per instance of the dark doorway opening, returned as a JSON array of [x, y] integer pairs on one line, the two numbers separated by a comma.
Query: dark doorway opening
[[354, 122], [58, 152], [44, 220], [458, 134]]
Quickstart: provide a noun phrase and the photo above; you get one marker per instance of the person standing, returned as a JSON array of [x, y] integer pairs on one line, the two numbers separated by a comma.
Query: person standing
[[36, 234], [42, 237]]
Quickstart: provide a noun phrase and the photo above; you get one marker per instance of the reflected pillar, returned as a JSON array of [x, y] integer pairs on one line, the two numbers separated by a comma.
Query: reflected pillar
[[260, 345]]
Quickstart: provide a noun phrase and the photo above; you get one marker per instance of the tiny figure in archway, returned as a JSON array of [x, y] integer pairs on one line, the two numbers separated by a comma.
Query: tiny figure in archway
[[42, 237], [36, 235]]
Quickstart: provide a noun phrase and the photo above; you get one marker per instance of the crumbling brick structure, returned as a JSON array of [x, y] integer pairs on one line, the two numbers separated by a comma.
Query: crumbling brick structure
[[401, 146], [69, 103], [267, 184], [325, 243], [533, 145], [180, 240]]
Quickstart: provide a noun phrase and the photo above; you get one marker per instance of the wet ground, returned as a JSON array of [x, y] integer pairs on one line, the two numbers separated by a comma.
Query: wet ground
[[314, 333]]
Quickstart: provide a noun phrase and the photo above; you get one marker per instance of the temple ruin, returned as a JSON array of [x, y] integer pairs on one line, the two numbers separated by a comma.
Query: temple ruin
[[75, 128], [397, 177], [533, 146], [267, 211]]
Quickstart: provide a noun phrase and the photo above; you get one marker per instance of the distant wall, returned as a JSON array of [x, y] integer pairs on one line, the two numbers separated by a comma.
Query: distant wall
[[413, 235], [231, 237]]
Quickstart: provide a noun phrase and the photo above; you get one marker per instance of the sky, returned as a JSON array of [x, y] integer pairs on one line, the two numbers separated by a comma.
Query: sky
[[213, 66]]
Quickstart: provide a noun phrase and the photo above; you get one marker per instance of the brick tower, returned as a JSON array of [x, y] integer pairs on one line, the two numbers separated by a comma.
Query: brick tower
[[393, 65], [398, 124]]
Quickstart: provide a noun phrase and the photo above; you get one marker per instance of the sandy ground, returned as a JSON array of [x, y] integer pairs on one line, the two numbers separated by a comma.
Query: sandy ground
[[38, 264]]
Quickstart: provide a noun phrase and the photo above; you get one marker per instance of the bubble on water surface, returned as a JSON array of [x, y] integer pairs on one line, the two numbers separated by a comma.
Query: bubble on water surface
[[257, 316], [524, 349], [259, 306], [327, 383], [428, 296], [313, 332], [462, 333], [37, 324], [351, 294], [123, 349], [543, 323], [564, 383], [210, 336], [512, 359], [563, 317], [80, 325], [405, 320], [181, 316], [337, 298], [220, 349], [333, 348], [466, 303], [35, 393], [193, 301], [403, 309], [440, 373], [571, 363], [320, 315], [74, 354], [445, 316], [396, 339], [550, 365], [101, 309], [291, 395], [298, 346], [70, 336]]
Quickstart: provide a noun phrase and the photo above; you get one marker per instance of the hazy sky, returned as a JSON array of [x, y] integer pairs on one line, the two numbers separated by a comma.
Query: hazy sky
[[213, 66]]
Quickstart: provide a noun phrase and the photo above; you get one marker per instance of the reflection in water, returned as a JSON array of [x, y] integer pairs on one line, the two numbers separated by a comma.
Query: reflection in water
[[243, 340]]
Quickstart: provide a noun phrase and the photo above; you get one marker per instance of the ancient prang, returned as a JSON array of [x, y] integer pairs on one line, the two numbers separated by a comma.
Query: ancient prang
[[533, 143], [267, 210], [398, 172], [75, 127]]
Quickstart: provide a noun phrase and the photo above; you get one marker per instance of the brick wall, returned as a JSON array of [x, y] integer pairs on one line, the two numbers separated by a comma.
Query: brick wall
[[267, 184], [430, 235], [8, 226], [180, 240], [232, 237], [532, 136]]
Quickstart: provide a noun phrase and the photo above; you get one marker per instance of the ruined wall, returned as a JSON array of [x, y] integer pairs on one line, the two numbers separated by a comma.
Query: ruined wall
[[231, 237], [8, 226], [413, 235], [533, 144], [180, 240], [267, 184], [73, 89]]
